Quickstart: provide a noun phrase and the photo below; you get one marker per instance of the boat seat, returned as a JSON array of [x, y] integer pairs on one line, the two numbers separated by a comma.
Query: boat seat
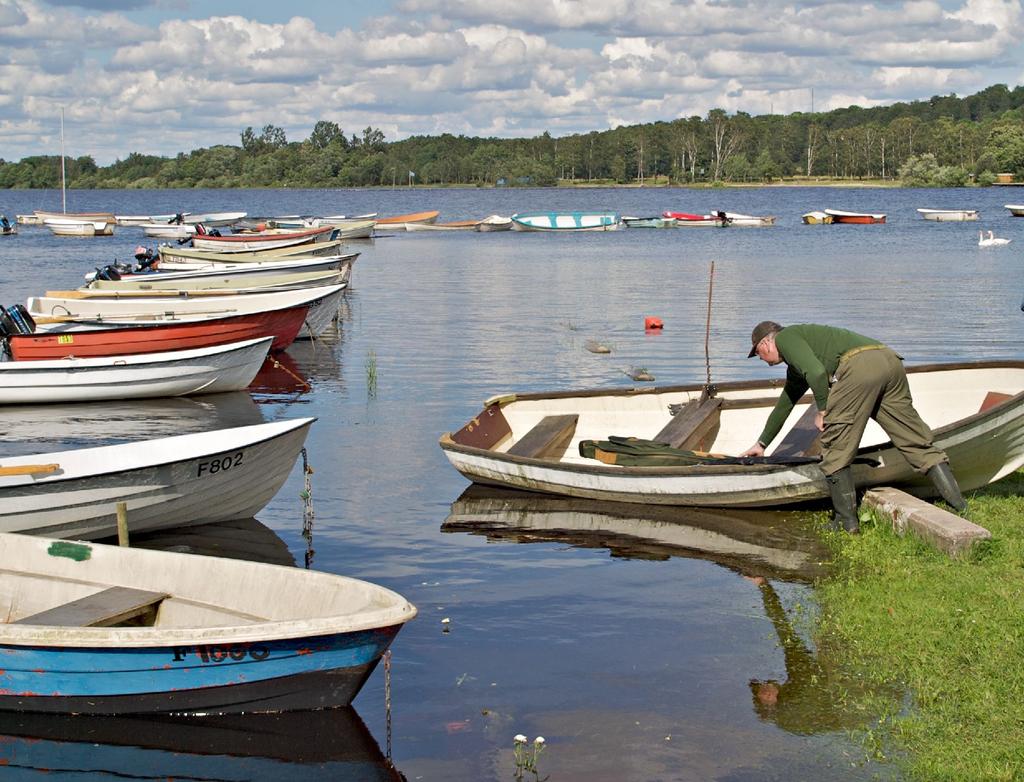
[[548, 438], [803, 439], [101, 609], [697, 421]]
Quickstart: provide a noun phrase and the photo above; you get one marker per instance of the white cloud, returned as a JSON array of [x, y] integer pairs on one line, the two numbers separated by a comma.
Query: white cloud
[[473, 67]]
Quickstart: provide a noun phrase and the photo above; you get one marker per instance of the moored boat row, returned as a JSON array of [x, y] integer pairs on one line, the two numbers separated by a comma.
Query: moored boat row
[[113, 630]]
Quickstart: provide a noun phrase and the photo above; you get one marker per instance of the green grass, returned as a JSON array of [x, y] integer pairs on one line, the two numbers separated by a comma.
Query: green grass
[[947, 633]]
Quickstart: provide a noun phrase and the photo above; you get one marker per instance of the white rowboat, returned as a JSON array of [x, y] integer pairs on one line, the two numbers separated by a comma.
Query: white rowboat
[[167, 482], [949, 215], [532, 441], [213, 370]]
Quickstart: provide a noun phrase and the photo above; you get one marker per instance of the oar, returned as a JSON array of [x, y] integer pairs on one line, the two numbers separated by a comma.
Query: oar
[[117, 316], [30, 469], [167, 294]]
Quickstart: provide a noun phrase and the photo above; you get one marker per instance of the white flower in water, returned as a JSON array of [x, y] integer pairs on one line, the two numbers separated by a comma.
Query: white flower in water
[[539, 740], [519, 739]]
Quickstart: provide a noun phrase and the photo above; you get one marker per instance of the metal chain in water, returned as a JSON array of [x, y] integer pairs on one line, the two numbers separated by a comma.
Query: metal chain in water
[[308, 514], [387, 701]]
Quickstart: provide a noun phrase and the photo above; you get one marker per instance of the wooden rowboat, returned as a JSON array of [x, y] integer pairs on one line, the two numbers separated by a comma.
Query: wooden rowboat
[[533, 441], [165, 482], [211, 370], [398, 222], [90, 339], [169, 252], [100, 629], [457, 225], [858, 218], [248, 242]]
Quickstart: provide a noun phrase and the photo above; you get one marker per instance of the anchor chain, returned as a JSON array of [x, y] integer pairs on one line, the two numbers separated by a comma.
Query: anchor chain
[[308, 514]]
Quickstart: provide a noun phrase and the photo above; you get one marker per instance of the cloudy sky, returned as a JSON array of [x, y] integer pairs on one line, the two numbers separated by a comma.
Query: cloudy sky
[[165, 76]]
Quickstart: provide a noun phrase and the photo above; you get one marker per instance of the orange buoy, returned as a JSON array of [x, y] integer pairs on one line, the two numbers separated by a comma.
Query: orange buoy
[[651, 322]]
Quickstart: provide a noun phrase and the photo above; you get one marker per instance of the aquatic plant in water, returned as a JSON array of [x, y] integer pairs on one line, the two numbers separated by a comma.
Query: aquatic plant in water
[[525, 759], [371, 374]]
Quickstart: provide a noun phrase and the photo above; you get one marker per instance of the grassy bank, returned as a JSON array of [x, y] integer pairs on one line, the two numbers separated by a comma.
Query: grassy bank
[[948, 634]]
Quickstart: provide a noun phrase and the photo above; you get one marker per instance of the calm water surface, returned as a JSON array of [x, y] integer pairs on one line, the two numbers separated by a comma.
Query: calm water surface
[[632, 639]]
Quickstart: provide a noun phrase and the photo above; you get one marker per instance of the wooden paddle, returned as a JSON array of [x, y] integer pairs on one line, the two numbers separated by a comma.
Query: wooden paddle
[[116, 317], [30, 469], [167, 294]]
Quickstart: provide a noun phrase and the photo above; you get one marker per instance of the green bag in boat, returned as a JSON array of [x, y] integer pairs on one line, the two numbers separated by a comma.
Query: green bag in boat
[[636, 452]]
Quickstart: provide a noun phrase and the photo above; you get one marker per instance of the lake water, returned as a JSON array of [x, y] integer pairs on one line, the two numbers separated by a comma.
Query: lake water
[[629, 638]]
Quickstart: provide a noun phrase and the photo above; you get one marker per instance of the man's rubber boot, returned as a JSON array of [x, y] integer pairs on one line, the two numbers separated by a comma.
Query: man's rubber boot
[[944, 480], [844, 500]]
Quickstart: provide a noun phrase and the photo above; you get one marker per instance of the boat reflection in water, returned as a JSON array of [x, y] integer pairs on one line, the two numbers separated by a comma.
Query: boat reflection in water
[[26, 429], [814, 695], [328, 744], [247, 539], [773, 544]]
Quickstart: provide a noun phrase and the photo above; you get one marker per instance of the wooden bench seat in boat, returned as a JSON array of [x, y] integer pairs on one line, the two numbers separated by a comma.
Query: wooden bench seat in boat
[[548, 438], [101, 609], [695, 425]]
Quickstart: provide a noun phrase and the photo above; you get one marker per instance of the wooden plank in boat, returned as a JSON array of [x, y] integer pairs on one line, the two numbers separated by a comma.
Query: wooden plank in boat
[[695, 423], [548, 438], [30, 469], [993, 398], [804, 439], [487, 430], [102, 609]]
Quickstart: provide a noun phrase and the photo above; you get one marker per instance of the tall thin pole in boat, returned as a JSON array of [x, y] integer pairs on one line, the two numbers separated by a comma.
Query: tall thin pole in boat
[[708, 389], [63, 188]]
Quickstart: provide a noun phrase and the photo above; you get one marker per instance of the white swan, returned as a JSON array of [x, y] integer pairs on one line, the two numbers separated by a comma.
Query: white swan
[[992, 241]]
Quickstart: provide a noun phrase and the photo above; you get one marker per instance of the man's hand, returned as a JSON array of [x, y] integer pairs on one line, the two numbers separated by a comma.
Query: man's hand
[[755, 450], [819, 420]]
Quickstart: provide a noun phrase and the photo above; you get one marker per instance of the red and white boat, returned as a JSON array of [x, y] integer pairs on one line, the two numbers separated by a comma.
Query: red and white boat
[[247, 242], [839, 216], [87, 339], [687, 220]]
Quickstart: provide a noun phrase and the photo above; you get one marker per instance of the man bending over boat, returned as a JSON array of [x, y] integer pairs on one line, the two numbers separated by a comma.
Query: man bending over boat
[[853, 378]]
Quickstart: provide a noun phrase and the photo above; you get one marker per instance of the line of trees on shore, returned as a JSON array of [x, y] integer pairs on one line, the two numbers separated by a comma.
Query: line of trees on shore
[[945, 141]]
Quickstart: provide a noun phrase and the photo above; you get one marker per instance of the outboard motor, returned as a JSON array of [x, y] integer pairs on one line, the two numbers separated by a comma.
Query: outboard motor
[[146, 258], [108, 272], [16, 320]]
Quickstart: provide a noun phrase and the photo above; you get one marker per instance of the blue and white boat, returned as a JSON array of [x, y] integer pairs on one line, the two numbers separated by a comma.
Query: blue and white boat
[[566, 221], [99, 629]]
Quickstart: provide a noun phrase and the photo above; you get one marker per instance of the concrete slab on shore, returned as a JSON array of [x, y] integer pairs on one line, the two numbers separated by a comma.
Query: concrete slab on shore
[[946, 531]]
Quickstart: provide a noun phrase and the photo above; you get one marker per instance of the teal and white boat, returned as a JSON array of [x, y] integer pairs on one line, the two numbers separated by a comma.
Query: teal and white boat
[[566, 221], [649, 222]]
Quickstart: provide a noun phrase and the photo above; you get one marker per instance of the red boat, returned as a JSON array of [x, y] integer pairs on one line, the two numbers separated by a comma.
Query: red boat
[[74, 339], [685, 218]]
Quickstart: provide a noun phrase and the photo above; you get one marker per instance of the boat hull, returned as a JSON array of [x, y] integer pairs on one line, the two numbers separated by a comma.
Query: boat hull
[[171, 482], [566, 221], [854, 218], [300, 673], [78, 340], [231, 368], [949, 215], [982, 447]]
